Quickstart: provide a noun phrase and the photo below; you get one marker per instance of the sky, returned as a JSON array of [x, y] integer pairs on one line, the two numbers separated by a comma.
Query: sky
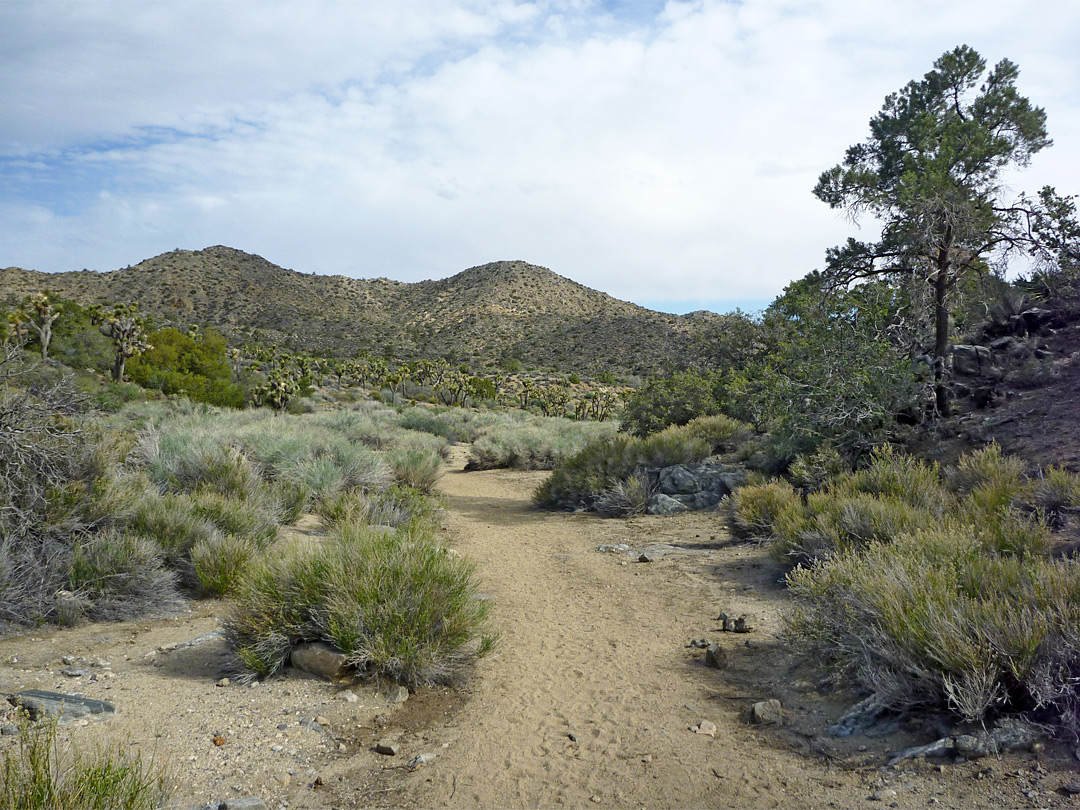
[[663, 152]]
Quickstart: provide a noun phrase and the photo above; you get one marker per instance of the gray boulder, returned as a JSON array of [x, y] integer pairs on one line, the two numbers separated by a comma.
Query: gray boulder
[[661, 504], [970, 360], [320, 659]]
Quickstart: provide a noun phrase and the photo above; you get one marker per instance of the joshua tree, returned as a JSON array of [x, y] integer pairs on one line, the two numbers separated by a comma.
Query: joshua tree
[[41, 315], [128, 334]]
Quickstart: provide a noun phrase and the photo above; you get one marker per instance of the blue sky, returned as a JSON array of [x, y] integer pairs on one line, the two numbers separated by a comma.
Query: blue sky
[[662, 152]]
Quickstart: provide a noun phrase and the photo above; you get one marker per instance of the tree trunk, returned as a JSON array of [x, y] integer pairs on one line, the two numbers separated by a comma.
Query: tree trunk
[[118, 367], [941, 334]]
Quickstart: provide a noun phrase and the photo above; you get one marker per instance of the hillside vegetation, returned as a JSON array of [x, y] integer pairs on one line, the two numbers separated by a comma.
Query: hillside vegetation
[[498, 311]]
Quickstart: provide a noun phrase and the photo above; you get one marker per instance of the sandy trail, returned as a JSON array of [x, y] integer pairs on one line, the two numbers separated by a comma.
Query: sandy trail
[[593, 646]]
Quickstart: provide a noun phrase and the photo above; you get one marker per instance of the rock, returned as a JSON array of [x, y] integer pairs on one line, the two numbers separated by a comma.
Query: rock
[[715, 657], [246, 803], [65, 708], [743, 624], [396, 694], [884, 795], [320, 659], [348, 697], [767, 712], [862, 716], [648, 556], [322, 721], [661, 504], [970, 360], [73, 673], [1007, 735], [9, 730], [223, 682], [67, 660], [419, 761], [705, 727], [613, 549], [388, 748], [699, 644]]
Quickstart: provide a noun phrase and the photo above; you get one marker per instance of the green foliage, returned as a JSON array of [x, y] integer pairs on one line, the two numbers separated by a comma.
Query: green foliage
[[219, 562], [627, 498], [673, 400], [35, 774], [930, 172], [395, 602], [419, 469], [829, 368], [194, 365]]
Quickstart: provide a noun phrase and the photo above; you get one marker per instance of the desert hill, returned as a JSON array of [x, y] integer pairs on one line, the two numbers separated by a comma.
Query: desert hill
[[483, 314]]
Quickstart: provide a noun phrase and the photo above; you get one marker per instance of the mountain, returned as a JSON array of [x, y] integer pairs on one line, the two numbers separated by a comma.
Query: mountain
[[481, 315]]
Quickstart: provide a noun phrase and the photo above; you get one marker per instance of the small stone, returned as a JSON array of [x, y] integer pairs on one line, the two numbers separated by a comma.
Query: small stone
[[419, 761], [277, 747], [396, 694], [743, 624], [699, 644], [9, 730], [729, 624], [219, 740], [749, 588], [246, 803], [73, 673], [388, 748], [322, 721], [883, 795], [647, 759], [223, 682], [767, 712], [595, 799], [647, 557], [1070, 789], [285, 779], [715, 657], [254, 684], [348, 697], [67, 660], [282, 726], [320, 659], [572, 737], [706, 727]]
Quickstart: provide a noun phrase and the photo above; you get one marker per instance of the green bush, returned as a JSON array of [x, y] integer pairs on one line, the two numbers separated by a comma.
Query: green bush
[[536, 443], [418, 469], [627, 498], [193, 366], [171, 522], [394, 507], [220, 560], [674, 400], [396, 603], [35, 774], [812, 472], [935, 618], [755, 509], [1054, 491]]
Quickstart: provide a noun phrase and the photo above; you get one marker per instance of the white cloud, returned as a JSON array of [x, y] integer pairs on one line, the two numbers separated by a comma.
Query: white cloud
[[658, 156]]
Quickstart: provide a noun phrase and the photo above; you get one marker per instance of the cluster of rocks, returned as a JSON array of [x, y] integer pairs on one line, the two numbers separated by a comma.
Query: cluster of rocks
[[686, 487]]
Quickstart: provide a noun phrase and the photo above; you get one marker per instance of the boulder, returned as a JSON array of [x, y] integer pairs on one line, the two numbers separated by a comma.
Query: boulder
[[767, 712], [970, 360], [661, 504], [39, 704], [715, 657], [320, 659]]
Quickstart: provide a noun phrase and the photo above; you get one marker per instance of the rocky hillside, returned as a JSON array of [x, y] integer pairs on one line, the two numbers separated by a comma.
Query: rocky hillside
[[481, 315]]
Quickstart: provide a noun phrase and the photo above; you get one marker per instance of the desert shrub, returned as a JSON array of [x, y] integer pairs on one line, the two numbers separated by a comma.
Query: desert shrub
[[171, 521], [833, 523], [895, 475], [427, 422], [394, 507], [220, 560], [418, 469], [195, 366], [721, 432], [933, 619], [537, 443], [1054, 491], [599, 466], [121, 576], [755, 509], [627, 498], [36, 774], [185, 460], [811, 472], [254, 519], [396, 603], [112, 396], [990, 470]]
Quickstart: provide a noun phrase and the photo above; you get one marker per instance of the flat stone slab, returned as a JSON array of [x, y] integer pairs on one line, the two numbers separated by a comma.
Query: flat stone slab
[[38, 704]]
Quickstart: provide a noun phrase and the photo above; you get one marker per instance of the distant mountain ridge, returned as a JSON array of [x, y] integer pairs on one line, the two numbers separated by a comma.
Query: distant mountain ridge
[[480, 315]]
